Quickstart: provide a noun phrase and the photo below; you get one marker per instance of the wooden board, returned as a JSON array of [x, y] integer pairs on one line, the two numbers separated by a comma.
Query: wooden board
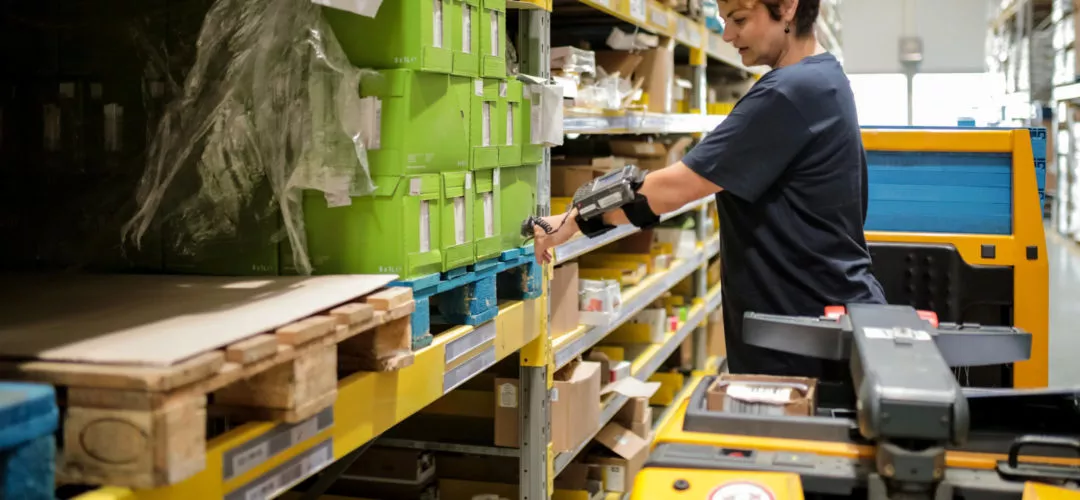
[[156, 320]]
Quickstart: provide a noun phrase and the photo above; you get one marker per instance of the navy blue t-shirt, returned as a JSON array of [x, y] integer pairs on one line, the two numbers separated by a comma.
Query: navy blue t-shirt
[[791, 163]]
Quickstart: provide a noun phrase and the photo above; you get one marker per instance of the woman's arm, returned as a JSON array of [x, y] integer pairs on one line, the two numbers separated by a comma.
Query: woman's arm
[[667, 189]]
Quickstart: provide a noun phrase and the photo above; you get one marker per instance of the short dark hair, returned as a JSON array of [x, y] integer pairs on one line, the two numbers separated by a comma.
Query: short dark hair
[[806, 14]]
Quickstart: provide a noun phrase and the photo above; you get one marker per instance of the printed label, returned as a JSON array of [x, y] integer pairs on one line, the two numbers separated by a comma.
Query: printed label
[[554, 394], [468, 180], [486, 119], [489, 215], [495, 177], [459, 221], [615, 478], [502, 89], [425, 226], [466, 29], [478, 87], [896, 333], [508, 396], [415, 184], [250, 454], [371, 120], [510, 124], [286, 475], [760, 394], [494, 33], [637, 9], [437, 26]]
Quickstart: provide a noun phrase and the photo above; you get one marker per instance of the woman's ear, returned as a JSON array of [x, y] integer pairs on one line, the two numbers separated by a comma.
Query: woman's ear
[[787, 12]]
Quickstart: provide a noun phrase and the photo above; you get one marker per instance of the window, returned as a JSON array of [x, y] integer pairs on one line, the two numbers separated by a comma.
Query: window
[[881, 99]]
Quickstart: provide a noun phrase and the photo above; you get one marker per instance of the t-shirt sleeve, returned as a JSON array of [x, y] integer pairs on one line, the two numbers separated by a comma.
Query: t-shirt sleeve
[[753, 146]]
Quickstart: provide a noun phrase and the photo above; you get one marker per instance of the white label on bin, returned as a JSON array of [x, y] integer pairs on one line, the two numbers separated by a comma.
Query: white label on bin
[[502, 89], [425, 226], [637, 9], [466, 29], [478, 87], [489, 215], [371, 122], [615, 478], [468, 180], [510, 125], [486, 117], [415, 184], [495, 33], [495, 177], [508, 397], [554, 394], [437, 26], [459, 220]]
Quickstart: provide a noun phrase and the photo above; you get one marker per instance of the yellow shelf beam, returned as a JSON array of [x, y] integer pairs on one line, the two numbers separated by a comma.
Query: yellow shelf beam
[[368, 404]]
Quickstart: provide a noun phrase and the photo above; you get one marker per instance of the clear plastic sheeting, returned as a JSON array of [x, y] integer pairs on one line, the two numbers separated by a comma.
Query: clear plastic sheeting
[[270, 108]]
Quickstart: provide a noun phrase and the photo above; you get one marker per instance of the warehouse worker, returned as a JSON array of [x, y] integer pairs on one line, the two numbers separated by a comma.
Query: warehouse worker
[[789, 173]]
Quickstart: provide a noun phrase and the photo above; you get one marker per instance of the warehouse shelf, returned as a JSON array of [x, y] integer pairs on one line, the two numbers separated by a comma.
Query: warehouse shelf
[[581, 245], [573, 344], [639, 123], [712, 246], [713, 298], [1069, 92], [643, 367], [264, 459]]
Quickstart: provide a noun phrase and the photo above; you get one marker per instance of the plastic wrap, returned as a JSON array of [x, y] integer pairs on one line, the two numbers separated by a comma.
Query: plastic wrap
[[269, 108]]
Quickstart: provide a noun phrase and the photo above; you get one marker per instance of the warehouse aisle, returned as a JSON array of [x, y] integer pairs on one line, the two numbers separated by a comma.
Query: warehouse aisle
[[1064, 310]]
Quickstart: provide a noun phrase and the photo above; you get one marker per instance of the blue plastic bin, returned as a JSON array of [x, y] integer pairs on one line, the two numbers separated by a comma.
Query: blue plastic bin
[[28, 421]]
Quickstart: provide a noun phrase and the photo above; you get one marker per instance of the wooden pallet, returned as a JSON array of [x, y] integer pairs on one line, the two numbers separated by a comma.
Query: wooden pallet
[[145, 427]]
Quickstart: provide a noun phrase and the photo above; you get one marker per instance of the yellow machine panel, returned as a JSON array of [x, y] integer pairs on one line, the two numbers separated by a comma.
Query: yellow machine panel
[[658, 484]]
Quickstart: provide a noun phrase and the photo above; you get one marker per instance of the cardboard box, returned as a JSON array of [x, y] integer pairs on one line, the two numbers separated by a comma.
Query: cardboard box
[[565, 314], [619, 61], [581, 477], [636, 415], [716, 342], [658, 69], [652, 155], [790, 401], [624, 456], [402, 466], [566, 180], [575, 407]]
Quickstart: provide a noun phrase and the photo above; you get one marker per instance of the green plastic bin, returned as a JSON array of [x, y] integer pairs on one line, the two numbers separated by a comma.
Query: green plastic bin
[[517, 190], [486, 126], [466, 21], [510, 114], [424, 125], [412, 34], [531, 150], [395, 231], [493, 39], [456, 214], [487, 221]]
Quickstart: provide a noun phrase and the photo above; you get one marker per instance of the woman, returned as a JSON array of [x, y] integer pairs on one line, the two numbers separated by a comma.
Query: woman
[[789, 173]]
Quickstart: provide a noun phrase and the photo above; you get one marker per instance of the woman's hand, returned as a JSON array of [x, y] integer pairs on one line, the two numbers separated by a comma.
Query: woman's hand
[[545, 242]]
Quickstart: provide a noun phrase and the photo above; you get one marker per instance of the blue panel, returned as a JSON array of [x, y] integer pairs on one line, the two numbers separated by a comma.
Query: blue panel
[[940, 192]]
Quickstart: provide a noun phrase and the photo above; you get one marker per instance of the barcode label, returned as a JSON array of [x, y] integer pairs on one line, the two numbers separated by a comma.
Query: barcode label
[[286, 475], [437, 26], [760, 394], [466, 29], [486, 117], [489, 216], [495, 33], [425, 226], [510, 124], [246, 456], [459, 221]]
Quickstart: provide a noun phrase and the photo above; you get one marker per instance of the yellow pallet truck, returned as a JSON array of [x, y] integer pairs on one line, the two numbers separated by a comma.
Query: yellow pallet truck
[[901, 428]]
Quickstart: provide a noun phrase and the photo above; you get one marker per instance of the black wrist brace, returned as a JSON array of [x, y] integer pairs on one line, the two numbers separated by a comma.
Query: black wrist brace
[[592, 227], [639, 213]]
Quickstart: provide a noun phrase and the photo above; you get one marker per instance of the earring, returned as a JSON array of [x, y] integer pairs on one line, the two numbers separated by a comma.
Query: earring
[[787, 28]]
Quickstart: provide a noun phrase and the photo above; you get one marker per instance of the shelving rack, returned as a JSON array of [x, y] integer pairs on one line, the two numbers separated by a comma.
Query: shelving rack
[[369, 404]]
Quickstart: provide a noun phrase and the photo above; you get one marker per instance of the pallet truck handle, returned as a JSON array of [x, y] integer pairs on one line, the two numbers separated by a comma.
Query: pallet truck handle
[[1045, 441]]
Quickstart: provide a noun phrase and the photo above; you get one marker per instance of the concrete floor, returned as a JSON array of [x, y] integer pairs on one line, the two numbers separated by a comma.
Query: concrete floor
[[1064, 310]]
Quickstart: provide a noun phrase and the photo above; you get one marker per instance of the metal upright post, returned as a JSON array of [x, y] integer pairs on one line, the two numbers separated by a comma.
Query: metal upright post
[[535, 463], [701, 289]]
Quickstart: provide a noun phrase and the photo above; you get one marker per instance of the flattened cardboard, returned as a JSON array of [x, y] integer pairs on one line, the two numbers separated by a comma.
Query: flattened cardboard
[[630, 452]]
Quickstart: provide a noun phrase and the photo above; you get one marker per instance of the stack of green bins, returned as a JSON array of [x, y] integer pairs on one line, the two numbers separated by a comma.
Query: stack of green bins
[[442, 93]]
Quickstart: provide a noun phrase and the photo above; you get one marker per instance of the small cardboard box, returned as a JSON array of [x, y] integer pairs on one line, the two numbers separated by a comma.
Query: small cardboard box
[[716, 343], [565, 314], [575, 407], [636, 415], [795, 401], [624, 456]]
